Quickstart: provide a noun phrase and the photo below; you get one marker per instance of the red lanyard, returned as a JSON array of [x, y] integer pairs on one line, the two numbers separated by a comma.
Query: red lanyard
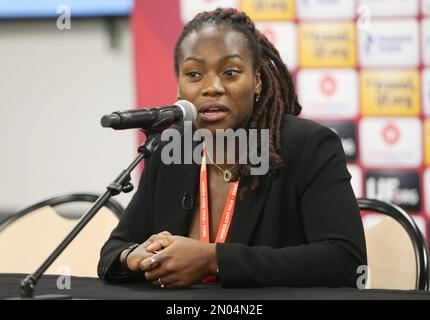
[[227, 214]]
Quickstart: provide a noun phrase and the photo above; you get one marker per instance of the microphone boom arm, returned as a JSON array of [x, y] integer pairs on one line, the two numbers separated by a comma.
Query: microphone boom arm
[[120, 184]]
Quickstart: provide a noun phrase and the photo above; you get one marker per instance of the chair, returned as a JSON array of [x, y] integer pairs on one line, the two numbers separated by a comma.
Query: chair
[[30, 235], [396, 252]]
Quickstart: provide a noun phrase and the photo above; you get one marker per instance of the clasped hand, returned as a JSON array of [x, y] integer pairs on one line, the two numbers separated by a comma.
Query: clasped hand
[[173, 261]]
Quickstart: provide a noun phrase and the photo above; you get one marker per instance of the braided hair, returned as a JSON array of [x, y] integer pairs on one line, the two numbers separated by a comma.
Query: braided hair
[[277, 95]]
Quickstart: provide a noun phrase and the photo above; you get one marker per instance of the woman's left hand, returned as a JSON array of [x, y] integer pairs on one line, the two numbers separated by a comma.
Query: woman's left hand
[[182, 263]]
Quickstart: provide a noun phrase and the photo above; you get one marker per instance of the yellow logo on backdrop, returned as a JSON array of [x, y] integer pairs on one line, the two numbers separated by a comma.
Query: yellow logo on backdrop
[[390, 93], [327, 45], [427, 141], [269, 9]]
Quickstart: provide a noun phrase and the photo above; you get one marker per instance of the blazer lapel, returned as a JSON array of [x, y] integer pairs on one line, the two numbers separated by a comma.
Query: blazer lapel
[[248, 211], [177, 210]]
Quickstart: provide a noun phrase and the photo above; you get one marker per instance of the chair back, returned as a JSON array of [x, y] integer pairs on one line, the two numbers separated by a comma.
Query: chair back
[[396, 252], [28, 237]]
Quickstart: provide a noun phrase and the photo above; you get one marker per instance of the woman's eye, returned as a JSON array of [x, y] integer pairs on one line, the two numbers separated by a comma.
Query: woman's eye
[[192, 74], [231, 73]]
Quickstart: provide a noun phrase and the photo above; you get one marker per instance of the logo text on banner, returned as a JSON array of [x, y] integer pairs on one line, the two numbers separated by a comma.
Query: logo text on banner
[[401, 188], [391, 93], [263, 10], [327, 44], [390, 43]]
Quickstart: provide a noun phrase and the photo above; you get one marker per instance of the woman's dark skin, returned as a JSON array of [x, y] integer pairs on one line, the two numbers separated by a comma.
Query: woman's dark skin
[[215, 69]]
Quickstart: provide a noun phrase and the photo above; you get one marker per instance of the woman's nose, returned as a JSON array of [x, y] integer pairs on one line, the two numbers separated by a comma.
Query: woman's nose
[[213, 86]]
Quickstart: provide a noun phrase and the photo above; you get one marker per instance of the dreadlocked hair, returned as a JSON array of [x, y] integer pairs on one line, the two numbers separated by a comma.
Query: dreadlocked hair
[[277, 96]]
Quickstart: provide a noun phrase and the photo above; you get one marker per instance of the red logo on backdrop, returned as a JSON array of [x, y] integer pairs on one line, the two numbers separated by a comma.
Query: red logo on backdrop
[[328, 85], [270, 35], [391, 134]]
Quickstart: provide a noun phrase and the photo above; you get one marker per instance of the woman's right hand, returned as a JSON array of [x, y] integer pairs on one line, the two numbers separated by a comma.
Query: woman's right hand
[[140, 253]]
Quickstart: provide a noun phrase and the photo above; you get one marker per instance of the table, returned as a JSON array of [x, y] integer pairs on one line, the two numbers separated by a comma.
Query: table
[[93, 288]]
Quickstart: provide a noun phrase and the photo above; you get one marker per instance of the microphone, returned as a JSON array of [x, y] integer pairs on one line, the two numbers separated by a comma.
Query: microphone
[[150, 119], [187, 201]]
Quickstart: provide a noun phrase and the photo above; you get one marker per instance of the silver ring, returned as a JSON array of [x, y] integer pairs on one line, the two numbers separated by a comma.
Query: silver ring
[[154, 263], [161, 283]]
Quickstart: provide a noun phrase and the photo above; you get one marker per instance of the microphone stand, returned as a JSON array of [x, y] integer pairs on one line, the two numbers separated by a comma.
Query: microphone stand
[[120, 184]]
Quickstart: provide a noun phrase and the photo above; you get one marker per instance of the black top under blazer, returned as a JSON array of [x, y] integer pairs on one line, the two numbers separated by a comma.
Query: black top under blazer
[[301, 227]]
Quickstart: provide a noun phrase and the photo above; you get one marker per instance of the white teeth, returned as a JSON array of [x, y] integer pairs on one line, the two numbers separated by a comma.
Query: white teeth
[[214, 109]]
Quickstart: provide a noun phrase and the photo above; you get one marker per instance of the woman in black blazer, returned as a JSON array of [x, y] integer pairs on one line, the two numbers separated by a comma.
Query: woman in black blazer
[[298, 225]]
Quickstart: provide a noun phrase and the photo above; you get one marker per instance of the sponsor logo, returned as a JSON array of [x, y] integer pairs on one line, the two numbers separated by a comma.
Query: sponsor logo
[[393, 93], [386, 44], [392, 43], [269, 9], [390, 134], [327, 45], [334, 93], [400, 188], [328, 85], [391, 142]]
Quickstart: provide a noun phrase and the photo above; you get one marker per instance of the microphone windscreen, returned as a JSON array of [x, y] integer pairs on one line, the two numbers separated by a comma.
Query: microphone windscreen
[[188, 109], [110, 120]]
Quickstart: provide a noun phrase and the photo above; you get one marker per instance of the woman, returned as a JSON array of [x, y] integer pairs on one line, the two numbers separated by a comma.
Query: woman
[[298, 225]]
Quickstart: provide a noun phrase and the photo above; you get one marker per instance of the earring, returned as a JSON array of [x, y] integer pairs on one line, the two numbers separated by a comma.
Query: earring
[[257, 97]]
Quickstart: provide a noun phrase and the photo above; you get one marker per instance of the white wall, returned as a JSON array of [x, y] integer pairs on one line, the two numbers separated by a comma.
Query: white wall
[[54, 87]]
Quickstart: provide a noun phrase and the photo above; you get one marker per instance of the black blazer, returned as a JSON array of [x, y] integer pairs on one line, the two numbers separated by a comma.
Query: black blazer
[[301, 227]]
